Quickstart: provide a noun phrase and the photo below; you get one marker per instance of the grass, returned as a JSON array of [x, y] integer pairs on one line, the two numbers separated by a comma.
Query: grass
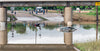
[[89, 46], [40, 17], [53, 11], [84, 10], [92, 13]]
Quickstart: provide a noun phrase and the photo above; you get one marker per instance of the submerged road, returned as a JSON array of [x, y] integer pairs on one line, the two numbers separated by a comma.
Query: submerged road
[[25, 16]]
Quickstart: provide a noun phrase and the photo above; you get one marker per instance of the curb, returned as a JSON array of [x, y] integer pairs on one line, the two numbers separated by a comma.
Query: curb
[[76, 49]]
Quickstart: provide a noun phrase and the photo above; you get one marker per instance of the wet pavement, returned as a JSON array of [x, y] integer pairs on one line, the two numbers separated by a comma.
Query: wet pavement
[[27, 19], [39, 47]]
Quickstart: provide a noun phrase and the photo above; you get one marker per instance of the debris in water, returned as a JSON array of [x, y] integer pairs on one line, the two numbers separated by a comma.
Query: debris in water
[[66, 29]]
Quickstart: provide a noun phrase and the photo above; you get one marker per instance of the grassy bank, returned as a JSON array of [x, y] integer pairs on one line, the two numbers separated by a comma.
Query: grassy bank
[[53, 11], [83, 17], [89, 46]]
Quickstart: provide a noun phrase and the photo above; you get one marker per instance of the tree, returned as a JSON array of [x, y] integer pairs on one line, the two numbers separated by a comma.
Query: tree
[[60, 7], [86, 7], [54, 8], [91, 7], [81, 7]]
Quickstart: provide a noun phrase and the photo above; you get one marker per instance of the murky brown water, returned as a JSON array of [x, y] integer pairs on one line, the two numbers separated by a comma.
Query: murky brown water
[[27, 34], [35, 39]]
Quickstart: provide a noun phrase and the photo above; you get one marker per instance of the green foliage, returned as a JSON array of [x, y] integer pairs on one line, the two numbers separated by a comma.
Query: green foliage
[[54, 7], [91, 13], [8, 8], [8, 15], [60, 7], [79, 47], [86, 7], [11, 17], [94, 11], [21, 8], [91, 6], [18, 8], [81, 7]]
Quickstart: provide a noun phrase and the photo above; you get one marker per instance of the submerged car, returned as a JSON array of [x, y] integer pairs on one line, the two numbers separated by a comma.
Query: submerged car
[[39, 9], [66, 29]]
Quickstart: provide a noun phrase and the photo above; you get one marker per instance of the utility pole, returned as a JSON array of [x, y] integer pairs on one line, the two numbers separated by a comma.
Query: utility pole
[[97, 22]]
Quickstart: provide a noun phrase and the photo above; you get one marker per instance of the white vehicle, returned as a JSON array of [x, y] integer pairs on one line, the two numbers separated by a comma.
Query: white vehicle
[[39, 9]]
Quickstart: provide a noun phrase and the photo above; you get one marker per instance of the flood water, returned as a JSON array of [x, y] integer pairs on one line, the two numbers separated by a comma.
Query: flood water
[[28, 34]]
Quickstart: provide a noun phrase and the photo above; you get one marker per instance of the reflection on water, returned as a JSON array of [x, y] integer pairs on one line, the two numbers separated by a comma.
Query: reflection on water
[[33, 35], [29, 34]]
